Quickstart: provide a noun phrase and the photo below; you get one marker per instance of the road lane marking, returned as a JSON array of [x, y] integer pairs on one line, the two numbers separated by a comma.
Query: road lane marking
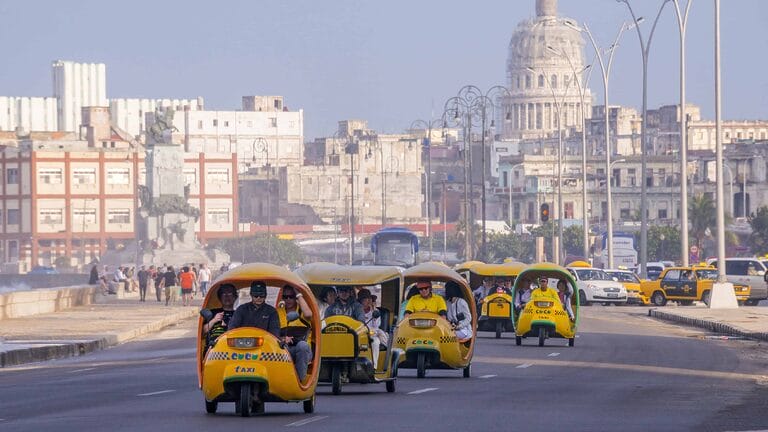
[[424, 390], [553, 354], [624, 367], [156, 393], [524, 366], [306, 421], [81, 370], [487, 376]]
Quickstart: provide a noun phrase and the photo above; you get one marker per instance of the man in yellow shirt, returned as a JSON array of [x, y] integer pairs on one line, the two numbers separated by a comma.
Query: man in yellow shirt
[[543, 292], [426, 301]]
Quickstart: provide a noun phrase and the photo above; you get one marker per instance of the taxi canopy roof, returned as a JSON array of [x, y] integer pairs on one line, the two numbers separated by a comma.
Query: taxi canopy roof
[[334, 274], [549, 270], [579, 264], [242, 276], [467, 265], [509, 269]]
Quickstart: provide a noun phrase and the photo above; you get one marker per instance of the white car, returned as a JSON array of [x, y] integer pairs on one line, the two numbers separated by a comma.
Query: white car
[[596, 286]]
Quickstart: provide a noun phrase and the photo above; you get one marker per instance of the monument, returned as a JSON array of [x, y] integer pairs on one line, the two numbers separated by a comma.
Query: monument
[[168, 219]]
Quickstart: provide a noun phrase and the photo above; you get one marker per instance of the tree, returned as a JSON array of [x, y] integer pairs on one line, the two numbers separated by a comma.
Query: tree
[[702, 218], [254, 249], [500, 246], [758, 241], [573, 239], [663, 243], [459, 235]]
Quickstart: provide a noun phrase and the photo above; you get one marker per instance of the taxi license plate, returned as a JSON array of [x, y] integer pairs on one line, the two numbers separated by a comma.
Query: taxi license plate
[[613, 295]]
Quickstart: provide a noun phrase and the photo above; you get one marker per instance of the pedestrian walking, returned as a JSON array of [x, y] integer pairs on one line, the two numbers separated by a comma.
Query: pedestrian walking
[[143, 277], [204, 277]]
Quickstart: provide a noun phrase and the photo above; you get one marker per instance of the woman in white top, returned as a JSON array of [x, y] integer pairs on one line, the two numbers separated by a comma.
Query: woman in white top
[[457, 306]]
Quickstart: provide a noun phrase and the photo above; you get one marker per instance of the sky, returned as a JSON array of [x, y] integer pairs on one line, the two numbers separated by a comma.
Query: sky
[[388, 62]]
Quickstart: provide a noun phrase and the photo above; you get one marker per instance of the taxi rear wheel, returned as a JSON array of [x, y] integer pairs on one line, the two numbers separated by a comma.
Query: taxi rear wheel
[[706, 297], [499, 328], [309, 405], [467, 371], [571, 342], [421, 366], [542, 336], [518, 340], [211, 407], [390, 386], [245, 401], [336, 379]]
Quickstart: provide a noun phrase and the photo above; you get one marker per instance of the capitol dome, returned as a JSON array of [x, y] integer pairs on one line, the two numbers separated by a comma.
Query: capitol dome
[[534, 72]]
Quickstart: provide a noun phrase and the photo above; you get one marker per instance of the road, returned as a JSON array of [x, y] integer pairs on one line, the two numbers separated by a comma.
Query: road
[[627, 372]]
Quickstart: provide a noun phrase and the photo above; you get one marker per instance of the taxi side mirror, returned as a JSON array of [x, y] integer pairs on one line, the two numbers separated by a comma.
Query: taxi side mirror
[[206, 314], [292, 316]]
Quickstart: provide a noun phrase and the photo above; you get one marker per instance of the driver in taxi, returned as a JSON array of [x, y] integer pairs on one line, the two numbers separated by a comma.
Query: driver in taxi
[[426, 301]]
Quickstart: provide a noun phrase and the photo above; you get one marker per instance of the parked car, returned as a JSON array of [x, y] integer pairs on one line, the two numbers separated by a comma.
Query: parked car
[[686, 285], [43, 270], [632, 284], [746, 271]]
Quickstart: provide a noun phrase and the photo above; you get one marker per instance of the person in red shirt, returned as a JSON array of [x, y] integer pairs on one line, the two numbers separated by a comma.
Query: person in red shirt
[[187, 282]]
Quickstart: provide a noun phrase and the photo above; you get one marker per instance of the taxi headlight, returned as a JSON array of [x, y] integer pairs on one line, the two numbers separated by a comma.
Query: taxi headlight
[[422, 323], [245, 342], [543, 304], [593, 287]]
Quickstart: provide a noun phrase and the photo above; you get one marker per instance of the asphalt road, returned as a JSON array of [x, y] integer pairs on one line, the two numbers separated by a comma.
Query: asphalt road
[[627, 372]]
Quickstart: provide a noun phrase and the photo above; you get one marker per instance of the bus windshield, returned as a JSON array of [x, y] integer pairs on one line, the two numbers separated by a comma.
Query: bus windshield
[[394, 247]]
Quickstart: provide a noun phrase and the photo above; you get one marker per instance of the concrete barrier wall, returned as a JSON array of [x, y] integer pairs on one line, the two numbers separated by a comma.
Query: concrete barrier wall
[[45, 300], [42, 281]]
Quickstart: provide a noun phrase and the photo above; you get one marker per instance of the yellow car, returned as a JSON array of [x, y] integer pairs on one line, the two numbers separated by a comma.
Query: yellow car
[[632, 284], [686, 285]]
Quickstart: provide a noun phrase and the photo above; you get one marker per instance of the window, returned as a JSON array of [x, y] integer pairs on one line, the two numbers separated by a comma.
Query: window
[[568, 211], [226, 124], [119, 176], [83, 217], [366, 180], [84, 176], [631, 173], [278, 105], [672, 275], [12, 176], [553, 80], [527, 81], [625, 213], [13, 216], [516, 211], [273, 122], [218, 216], [249, 123], [190, 176], [215, 123], [199, 124], [13, 250], [51, 216], [50, 175], [541, 80], [119, 216], [218, 175], [518, 81], [530, 212], [662, 213]]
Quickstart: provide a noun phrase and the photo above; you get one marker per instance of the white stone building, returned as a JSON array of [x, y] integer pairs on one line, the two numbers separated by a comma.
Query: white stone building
[[77, 85]]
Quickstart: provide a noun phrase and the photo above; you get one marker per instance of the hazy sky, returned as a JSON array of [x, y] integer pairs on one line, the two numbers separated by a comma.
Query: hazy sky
[[389, 62]]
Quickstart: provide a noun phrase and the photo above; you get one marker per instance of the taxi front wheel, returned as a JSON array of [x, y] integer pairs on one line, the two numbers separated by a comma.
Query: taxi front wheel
[[211, 407], [245, 401], [467, 371], [309, 405], [421, 366], [336, 379]]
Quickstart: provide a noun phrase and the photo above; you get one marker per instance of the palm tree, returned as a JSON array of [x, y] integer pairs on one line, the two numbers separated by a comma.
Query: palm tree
[[702, 217], [461, 229]]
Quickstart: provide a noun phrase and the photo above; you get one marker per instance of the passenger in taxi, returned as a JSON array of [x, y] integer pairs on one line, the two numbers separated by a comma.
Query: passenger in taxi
[[345, 305], [295, 334], [379, 337], [214, 328], [565, 293], [458, 306], [522, 297], [426, 301], [327, 298]]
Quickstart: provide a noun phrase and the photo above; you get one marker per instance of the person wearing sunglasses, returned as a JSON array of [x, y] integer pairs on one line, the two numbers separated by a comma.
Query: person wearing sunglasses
[[426, 301], [257, 313], [295, 333]]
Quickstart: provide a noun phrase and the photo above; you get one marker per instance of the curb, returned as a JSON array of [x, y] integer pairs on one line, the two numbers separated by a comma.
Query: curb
[[51, 352], [713, 326]]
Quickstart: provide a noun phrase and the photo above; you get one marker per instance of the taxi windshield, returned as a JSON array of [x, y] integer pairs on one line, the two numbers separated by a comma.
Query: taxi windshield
[[592, 274]]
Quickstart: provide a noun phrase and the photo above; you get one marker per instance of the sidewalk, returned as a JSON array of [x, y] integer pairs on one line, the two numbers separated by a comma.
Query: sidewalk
[[84, 329], [746, 321]]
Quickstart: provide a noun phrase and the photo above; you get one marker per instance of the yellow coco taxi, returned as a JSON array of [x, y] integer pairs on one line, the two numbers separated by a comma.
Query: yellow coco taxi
[[355, 351], [250, 366], [544, 315], [428, 340], [495, 308]]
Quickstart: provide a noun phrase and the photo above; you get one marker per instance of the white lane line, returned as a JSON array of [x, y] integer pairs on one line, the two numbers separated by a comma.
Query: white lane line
[[523, 366], [553, 354], [424, 390], [487, 376], [156, 393], [81, 370], [306, 421]]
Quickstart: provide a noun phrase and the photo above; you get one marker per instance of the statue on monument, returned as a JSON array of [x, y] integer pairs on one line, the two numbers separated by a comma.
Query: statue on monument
[[161, 129]]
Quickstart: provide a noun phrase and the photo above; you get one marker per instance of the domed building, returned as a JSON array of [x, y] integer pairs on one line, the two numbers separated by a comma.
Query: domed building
[[534, 72]]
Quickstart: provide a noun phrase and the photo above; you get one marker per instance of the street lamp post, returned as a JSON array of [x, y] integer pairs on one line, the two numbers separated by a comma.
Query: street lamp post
[[609, 180], [351, 148], [557, 251], [261, 145], [682, 22], [509, 186], [428, 125], [582, 94], [645, 47], [605, 69], [730, 185]]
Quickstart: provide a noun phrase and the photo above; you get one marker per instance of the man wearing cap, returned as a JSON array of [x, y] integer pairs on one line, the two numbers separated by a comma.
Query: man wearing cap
[[544, 292], [346, 305], [257, 313], [426, 301]]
